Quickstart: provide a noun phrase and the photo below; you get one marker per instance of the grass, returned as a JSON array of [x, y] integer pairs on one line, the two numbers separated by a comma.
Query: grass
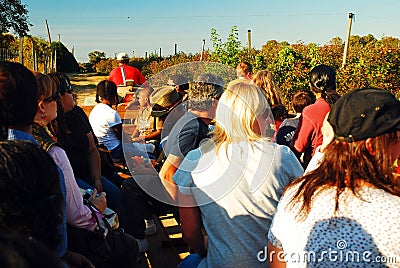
[[84, 84]]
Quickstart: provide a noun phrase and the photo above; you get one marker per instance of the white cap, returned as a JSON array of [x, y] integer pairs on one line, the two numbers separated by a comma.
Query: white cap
[[122, 56]]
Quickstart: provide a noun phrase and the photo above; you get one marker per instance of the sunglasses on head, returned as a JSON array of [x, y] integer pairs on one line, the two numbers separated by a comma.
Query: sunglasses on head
[[54, 97]]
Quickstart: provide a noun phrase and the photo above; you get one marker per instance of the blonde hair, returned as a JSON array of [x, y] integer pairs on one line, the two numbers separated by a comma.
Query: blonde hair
[[265, 81], [46, 86], [237, 113]]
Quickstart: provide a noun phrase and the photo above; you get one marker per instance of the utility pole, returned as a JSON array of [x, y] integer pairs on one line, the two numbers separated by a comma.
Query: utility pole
[[249, 39], [48, 31], [346, 44], [202, 49]]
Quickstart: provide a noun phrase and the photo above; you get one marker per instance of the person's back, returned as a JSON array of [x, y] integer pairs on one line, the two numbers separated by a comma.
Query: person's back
[[237, 181], [308, 135], [124, 73]]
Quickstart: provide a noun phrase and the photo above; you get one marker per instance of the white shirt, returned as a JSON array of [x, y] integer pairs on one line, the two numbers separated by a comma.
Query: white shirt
[[102, 118]]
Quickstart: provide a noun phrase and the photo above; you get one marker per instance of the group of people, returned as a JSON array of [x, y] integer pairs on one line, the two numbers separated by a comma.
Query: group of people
[[238, 188]]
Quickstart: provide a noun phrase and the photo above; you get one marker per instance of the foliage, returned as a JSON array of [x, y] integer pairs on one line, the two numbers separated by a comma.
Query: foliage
[[13, 17], [226, 52]]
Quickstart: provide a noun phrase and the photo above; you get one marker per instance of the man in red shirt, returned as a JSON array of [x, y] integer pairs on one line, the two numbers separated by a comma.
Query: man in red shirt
[[124, 74], [126, 77]]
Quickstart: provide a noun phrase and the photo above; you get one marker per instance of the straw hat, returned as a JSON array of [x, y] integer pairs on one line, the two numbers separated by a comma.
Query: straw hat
[[164, 100]]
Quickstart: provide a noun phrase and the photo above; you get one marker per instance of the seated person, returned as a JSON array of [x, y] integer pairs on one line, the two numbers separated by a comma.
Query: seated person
[[300, 100], [146, 127]]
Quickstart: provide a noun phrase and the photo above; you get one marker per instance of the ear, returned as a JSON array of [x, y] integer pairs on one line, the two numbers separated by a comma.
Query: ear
[[42, 106], [370, 146]]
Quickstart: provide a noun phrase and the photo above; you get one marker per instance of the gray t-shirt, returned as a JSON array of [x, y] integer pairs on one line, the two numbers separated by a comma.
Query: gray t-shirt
[[237, 190]]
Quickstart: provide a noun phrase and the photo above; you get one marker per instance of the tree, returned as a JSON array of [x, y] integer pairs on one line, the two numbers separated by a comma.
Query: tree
[[228, 52], [96, 56], [13, 17]]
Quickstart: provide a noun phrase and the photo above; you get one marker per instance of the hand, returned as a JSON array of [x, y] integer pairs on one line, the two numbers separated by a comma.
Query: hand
[[99, 201], [77, 260], [98, 185], [138, 139]]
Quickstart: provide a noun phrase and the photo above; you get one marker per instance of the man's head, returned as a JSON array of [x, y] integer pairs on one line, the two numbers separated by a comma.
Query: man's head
[[18, 92], [244, 69], [179, 82], [123, 58], [203, 90]]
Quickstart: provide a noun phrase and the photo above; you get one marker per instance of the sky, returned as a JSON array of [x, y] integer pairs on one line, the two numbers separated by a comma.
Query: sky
[[133, 26]]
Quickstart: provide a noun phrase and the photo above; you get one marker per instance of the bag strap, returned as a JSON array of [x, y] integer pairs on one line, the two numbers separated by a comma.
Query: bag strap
[[123, 75], [90, 206]]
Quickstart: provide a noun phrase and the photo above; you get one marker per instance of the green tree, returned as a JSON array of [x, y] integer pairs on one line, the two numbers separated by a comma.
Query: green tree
[[226, 52], [96, 56], [13, 17]]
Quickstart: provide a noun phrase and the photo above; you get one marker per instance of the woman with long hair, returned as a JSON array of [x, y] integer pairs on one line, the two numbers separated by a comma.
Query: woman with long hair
[[308, 135], [234, 189], [350, 203]]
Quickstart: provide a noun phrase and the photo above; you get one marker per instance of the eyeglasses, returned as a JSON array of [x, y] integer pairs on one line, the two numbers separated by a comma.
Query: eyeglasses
[[54, 97]]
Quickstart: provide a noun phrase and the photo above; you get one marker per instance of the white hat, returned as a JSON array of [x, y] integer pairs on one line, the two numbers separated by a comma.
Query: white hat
[[122, 56]]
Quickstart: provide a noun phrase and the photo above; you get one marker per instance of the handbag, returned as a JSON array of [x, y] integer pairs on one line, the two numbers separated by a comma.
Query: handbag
[[107, 163], [96, 245]]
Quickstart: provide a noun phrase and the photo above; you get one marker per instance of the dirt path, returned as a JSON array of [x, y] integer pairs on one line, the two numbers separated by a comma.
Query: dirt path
[[84, 85]]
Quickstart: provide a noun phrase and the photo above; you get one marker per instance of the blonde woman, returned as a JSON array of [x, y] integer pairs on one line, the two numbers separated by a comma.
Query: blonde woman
[[235, 185], [265, 81]]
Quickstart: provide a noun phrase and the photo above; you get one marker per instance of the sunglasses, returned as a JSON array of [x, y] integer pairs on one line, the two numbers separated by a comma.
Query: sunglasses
[[68, 90], [54, 97]]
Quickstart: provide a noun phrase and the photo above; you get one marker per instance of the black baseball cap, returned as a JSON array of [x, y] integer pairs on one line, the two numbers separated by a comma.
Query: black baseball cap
[[364, 113]]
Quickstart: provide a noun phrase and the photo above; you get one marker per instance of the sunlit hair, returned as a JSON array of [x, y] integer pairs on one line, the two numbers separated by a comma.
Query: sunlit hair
[[347, 165], [237, 113], [46, 86], [243, 68], [265, 81]]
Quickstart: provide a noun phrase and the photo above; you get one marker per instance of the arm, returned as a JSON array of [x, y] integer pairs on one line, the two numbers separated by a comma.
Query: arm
[[118, 130], [78, 214], [191, 229], [275, 257], [94, 163], [167, 172]]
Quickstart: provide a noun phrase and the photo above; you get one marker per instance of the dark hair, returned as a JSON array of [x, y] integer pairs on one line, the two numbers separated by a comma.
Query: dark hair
[[107, 90], [301, 99], [18, 91], [279, 112], [323, 80], [62, 81], [21, 251], [3, 121], [30, 194], [344, 166]]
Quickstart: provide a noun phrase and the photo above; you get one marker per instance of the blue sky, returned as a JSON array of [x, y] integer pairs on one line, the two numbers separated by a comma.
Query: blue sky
[[148, 25]]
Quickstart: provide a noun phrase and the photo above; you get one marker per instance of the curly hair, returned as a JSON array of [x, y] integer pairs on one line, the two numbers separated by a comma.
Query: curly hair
[[265, 81]]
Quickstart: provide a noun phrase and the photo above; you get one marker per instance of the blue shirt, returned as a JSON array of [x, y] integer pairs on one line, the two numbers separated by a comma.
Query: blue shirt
[[14, 134]]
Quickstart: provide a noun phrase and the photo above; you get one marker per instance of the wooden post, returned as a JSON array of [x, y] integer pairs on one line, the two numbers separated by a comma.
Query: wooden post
[[33, 55], [145, 55], [21, 50], [59, 38], [48, 31], [176, 49], [346, 44], [202, 49], [249, 39], [160, 52]]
